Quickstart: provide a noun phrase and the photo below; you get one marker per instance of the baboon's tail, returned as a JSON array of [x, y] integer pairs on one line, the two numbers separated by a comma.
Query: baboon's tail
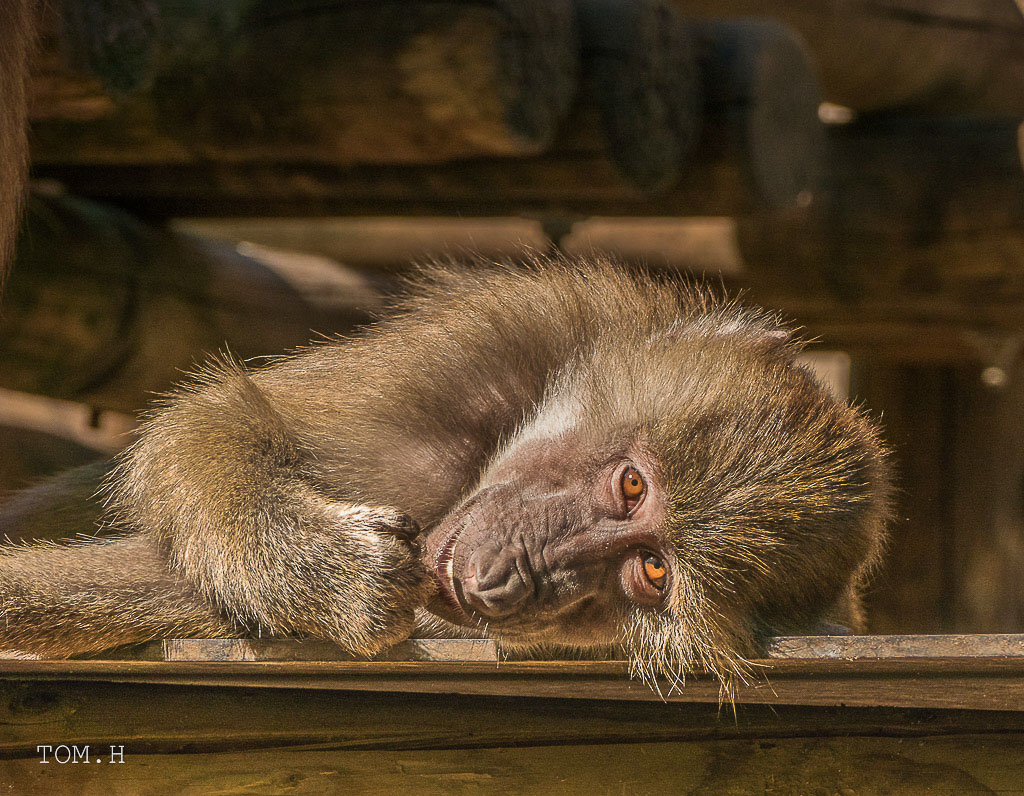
[[58, 600]]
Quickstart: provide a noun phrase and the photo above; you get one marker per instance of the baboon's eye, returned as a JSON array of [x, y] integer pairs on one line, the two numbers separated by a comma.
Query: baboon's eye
[[632, 487], [654, 569]]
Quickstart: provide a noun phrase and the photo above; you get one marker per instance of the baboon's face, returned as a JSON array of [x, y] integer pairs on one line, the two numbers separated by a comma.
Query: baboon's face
[[682, 502], [558, 545]]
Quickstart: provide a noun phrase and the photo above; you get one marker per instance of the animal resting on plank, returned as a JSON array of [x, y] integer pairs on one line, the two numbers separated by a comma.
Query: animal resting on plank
[[564, 455]]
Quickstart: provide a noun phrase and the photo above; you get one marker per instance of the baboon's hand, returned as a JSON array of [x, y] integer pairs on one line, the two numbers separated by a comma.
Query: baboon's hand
[[378, 576]]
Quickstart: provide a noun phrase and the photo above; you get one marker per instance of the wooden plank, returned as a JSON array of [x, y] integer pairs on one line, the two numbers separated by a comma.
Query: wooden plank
[[155, 718], [808, 648], [240, 649], [963, 764], [855, 648], [976, 683]]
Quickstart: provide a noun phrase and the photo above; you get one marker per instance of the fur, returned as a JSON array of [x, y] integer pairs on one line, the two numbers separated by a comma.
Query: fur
[[289, 500]]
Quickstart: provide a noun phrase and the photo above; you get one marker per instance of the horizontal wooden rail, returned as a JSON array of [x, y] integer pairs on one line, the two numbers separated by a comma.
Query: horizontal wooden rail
[[975, 672]]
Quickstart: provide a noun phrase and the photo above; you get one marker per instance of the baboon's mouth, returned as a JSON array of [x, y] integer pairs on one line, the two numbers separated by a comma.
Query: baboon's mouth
[[443, 571]]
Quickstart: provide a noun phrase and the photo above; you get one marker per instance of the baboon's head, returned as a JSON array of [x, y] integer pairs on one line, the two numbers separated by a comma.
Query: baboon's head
[[682, 492]]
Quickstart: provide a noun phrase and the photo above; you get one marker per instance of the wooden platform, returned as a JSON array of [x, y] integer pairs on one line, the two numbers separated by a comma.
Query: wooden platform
[[901, 714]]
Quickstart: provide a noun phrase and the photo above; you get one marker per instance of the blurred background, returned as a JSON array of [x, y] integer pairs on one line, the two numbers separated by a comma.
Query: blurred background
[[253, 174]]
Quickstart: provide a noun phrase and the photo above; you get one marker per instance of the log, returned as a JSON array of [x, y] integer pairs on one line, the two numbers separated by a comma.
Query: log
[[629, 136], [761, 102], [104, 310], [641, 76], [390, 82], [927, 56], [759, 137], [203, 738]]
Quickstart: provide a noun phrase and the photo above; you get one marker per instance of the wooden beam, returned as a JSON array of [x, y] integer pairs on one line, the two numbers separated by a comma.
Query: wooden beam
[[925, 55], [337, 102], [167, 719], [387, 82], [104, 310], [806, 648], [978, 672], [979, 684], [206, 738]]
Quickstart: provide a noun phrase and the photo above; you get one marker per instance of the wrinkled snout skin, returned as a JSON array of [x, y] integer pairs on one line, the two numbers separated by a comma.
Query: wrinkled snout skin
[[536, 553], [507, 547], [522, 563]]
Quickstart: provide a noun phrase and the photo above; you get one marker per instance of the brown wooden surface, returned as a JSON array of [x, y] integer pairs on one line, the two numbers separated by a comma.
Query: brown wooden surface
[[105, 310], [862, 648], [964, 764], [954, 562], [912, 586], [166, 718], [977, 672], [651, 86], [353, 82], [986, 540], [524, 727], [238, 649], [931, 55], [807, 648], [234, 740]]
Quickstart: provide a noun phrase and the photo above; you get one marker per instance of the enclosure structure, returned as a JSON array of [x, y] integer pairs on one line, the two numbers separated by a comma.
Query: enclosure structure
[[855, 165], [868, 714]]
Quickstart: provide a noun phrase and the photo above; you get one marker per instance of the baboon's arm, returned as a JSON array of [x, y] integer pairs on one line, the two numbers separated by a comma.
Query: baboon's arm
[[63, 600], [87, 594], [226, 484]]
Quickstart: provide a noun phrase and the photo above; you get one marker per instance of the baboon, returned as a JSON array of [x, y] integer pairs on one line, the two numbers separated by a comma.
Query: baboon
[[559, 455]]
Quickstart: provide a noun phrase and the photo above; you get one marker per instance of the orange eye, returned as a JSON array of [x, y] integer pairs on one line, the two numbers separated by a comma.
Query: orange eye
[[632, 484], [654, 569]]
